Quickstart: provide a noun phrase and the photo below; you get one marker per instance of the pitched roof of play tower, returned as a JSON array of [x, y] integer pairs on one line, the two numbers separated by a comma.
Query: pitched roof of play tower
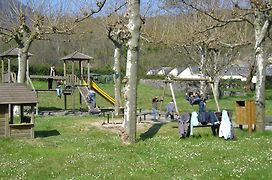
[[76, 56]]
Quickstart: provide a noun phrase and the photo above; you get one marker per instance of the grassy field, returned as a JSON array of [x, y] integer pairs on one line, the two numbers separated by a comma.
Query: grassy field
[[77, 147], [49, 100], [72, 147]]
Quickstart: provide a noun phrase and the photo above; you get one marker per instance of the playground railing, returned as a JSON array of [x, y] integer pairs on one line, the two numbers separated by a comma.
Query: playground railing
[[9, 77], [72, 79]]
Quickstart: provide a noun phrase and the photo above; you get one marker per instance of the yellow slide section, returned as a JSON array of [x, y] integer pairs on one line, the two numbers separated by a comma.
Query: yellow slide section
[[101, 92]]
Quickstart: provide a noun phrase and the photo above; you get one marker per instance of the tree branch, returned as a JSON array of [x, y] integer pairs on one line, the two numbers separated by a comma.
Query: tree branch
[[224, 22], [262, 34], [99, 4], [118, 8], [235, 45]]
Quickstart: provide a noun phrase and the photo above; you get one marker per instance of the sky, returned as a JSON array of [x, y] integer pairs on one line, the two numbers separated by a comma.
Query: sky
[[148, 7]]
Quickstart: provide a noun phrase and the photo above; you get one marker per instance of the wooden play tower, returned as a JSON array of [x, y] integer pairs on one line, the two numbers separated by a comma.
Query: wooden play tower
[[72, 80], [14, 94], [7, 75]]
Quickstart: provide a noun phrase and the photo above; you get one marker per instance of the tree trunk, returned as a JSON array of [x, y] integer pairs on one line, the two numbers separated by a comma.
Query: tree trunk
[[216, 87], [202, 71], [260, 89], [22, 59], [215, 91], [134, 26], [117, 79], [24, 46], [262, 26], [251, 73]]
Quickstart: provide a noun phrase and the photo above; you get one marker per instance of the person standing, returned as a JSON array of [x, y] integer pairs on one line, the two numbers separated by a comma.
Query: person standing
[[170, 109], [58, 88], [52, 72], [155, 107]]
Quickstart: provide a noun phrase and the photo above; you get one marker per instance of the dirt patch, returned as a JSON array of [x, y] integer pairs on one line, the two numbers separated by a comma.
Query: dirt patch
[[115, 124]]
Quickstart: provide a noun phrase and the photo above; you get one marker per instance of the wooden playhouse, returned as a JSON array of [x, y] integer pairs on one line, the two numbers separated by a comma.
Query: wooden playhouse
[[19, 95]]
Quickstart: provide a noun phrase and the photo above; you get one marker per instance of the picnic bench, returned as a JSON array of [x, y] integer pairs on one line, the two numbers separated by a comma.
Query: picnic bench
[[214, 127], [142, 115], [109, 112]]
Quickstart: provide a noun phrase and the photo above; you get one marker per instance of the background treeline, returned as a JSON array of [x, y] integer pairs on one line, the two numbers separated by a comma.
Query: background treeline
[[92, 40], [162, 45]]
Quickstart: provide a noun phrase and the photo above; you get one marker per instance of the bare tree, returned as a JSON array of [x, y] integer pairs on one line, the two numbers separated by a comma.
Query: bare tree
[[119, 35], [134, 26], [257, 13], [36, 20], [212, 50]]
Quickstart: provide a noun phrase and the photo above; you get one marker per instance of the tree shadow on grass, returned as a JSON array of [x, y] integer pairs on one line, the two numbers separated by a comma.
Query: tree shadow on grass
[[151, 132], [44, 134]]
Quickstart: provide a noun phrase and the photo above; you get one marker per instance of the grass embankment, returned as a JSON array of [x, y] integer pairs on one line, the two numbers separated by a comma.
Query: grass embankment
[[72, 147]]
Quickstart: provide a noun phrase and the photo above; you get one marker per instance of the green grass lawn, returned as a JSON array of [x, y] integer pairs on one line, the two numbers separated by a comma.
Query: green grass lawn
[[71, 147], [77, 147]]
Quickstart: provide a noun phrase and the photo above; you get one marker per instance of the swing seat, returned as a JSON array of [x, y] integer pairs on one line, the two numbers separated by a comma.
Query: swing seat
[[197, 101], [194, 101]]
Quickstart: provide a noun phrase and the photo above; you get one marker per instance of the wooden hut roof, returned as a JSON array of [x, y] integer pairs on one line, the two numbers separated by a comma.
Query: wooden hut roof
[[13, 52], [12, 93], [76, 56]]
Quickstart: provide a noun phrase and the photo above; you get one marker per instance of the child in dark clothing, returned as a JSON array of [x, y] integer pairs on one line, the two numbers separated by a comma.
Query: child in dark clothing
[[155, 107], [170, 108], [58, 88], [51, 72]]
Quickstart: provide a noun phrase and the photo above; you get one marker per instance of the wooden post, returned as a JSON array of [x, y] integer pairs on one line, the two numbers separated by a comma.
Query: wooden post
[[65, 102], [7, 125], [27, 71], [80, 100], [81, 81], [73, 86], [64, 68], [3, 69], [5, 111], [173, 96], [37, 108], [21, 112], [37, 105], [81, 71], [9, 118], [32, 114], [80, 75], [9, 110], [73, 72], [9, 80], [64, 71], [11, 114], [32, 135], [89, 74]]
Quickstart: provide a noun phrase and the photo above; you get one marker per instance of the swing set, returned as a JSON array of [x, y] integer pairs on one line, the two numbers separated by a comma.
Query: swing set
[[168, 81]]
